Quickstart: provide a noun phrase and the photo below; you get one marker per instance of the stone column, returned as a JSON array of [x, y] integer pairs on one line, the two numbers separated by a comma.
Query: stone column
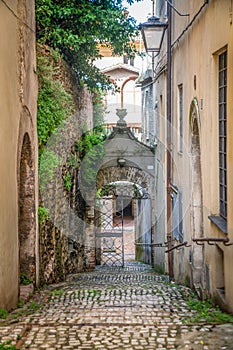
[[90, 236]]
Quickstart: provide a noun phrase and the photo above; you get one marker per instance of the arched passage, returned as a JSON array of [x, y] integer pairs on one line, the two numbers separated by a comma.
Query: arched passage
[[196, 199], [27, 214], [125, 159], [123, 216], [132, 174]]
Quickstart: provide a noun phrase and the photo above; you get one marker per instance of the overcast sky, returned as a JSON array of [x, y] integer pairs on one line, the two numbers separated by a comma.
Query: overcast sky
[[140, 10]]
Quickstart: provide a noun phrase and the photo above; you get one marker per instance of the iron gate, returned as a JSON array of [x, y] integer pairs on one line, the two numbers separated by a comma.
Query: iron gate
[[109, 239]]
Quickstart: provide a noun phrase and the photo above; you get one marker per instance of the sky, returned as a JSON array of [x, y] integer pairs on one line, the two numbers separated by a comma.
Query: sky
[[140, 10]]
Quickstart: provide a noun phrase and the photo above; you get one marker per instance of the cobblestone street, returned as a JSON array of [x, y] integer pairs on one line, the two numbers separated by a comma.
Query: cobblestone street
[[130, 308]]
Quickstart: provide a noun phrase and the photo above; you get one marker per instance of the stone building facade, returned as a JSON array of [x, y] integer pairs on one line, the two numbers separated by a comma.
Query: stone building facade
[[18, 145], [200, 191], [129, 97]]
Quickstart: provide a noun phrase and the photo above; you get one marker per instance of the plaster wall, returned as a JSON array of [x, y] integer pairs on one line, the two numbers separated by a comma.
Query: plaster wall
[[18, 91], [229, 250], [160, 232], [195, 65], [8, 159]]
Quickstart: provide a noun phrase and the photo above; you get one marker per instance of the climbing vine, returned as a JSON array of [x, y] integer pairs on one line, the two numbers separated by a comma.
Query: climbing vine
[[68, 181], [54, 103], [90, 150], [43, 214]]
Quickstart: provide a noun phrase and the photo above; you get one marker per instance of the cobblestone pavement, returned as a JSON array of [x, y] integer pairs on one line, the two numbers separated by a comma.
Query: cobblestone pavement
[[131, 308]]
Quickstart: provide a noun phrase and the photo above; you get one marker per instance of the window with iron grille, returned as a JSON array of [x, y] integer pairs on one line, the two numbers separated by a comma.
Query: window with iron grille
[[222, 113]]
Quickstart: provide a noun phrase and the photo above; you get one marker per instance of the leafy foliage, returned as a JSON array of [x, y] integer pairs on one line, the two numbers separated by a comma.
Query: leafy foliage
[[3, 313], [98, 110], [7, 346], [54, 103], [207, 312], [68, 181], [48, 165], [78, 28], [43, 214], [24, 279], [90, 150]]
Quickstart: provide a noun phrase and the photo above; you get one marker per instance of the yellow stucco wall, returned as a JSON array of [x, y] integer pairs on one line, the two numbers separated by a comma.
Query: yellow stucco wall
[[195, 56], [229, 250], [16, 95], [8, 158]]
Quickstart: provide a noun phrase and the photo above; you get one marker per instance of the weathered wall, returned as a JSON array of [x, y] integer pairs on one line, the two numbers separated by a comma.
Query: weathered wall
[[63, 244], [195, 171], [18, 91]]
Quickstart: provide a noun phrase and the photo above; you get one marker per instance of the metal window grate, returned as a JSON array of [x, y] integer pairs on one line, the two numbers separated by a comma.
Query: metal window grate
[[222, 112]]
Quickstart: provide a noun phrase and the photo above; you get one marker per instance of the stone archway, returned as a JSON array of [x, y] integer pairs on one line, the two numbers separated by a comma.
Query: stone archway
[[125, 159], [27, 212], [132, 187], [129, 173], [197, 260]]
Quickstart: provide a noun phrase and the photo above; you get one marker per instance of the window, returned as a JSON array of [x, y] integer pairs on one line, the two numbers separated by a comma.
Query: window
[[222, 114], [180, 113], [181, 231], [177, 215]]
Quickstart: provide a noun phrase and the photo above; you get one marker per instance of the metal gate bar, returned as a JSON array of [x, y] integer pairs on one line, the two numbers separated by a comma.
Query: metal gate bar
[[109, 236]]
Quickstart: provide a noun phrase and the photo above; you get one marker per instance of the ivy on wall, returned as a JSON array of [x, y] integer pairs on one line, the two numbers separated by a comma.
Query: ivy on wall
[[90, 150], [54, 103]]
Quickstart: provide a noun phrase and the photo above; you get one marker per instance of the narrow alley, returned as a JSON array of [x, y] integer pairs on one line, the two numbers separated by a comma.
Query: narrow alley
[[114, 308], [116, 163]]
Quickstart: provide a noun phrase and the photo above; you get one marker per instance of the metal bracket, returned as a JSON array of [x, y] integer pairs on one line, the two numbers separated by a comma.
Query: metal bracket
[[212, 241], [178, 246], [175, 9], [159, 245]]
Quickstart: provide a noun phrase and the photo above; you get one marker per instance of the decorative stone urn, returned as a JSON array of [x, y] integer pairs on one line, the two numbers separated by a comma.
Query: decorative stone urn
[[121, 113]]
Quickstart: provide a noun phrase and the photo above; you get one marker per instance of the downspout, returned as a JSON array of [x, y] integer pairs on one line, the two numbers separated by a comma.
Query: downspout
[[169, 158]]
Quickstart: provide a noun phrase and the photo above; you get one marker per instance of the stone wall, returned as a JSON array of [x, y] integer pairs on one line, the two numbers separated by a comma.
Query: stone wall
[[63, 245], [62, 239]]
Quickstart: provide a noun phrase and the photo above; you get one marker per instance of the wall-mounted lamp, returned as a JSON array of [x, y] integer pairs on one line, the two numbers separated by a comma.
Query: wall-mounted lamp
[[121, 162], [152, 33]]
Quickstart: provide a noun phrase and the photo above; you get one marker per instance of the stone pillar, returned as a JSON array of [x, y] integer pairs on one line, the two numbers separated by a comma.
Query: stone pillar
[[90, 236]]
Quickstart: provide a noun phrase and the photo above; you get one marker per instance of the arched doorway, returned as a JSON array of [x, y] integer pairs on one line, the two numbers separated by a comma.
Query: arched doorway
[[197, 255], [27, 214]]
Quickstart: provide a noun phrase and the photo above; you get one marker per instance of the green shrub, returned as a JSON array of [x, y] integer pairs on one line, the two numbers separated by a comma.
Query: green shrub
[[24, 279], [43, 214], [68, 181], [3, 313], [7, 346]]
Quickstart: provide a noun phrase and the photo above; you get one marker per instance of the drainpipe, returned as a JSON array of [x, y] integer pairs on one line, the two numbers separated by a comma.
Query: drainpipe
[[169, 159]]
